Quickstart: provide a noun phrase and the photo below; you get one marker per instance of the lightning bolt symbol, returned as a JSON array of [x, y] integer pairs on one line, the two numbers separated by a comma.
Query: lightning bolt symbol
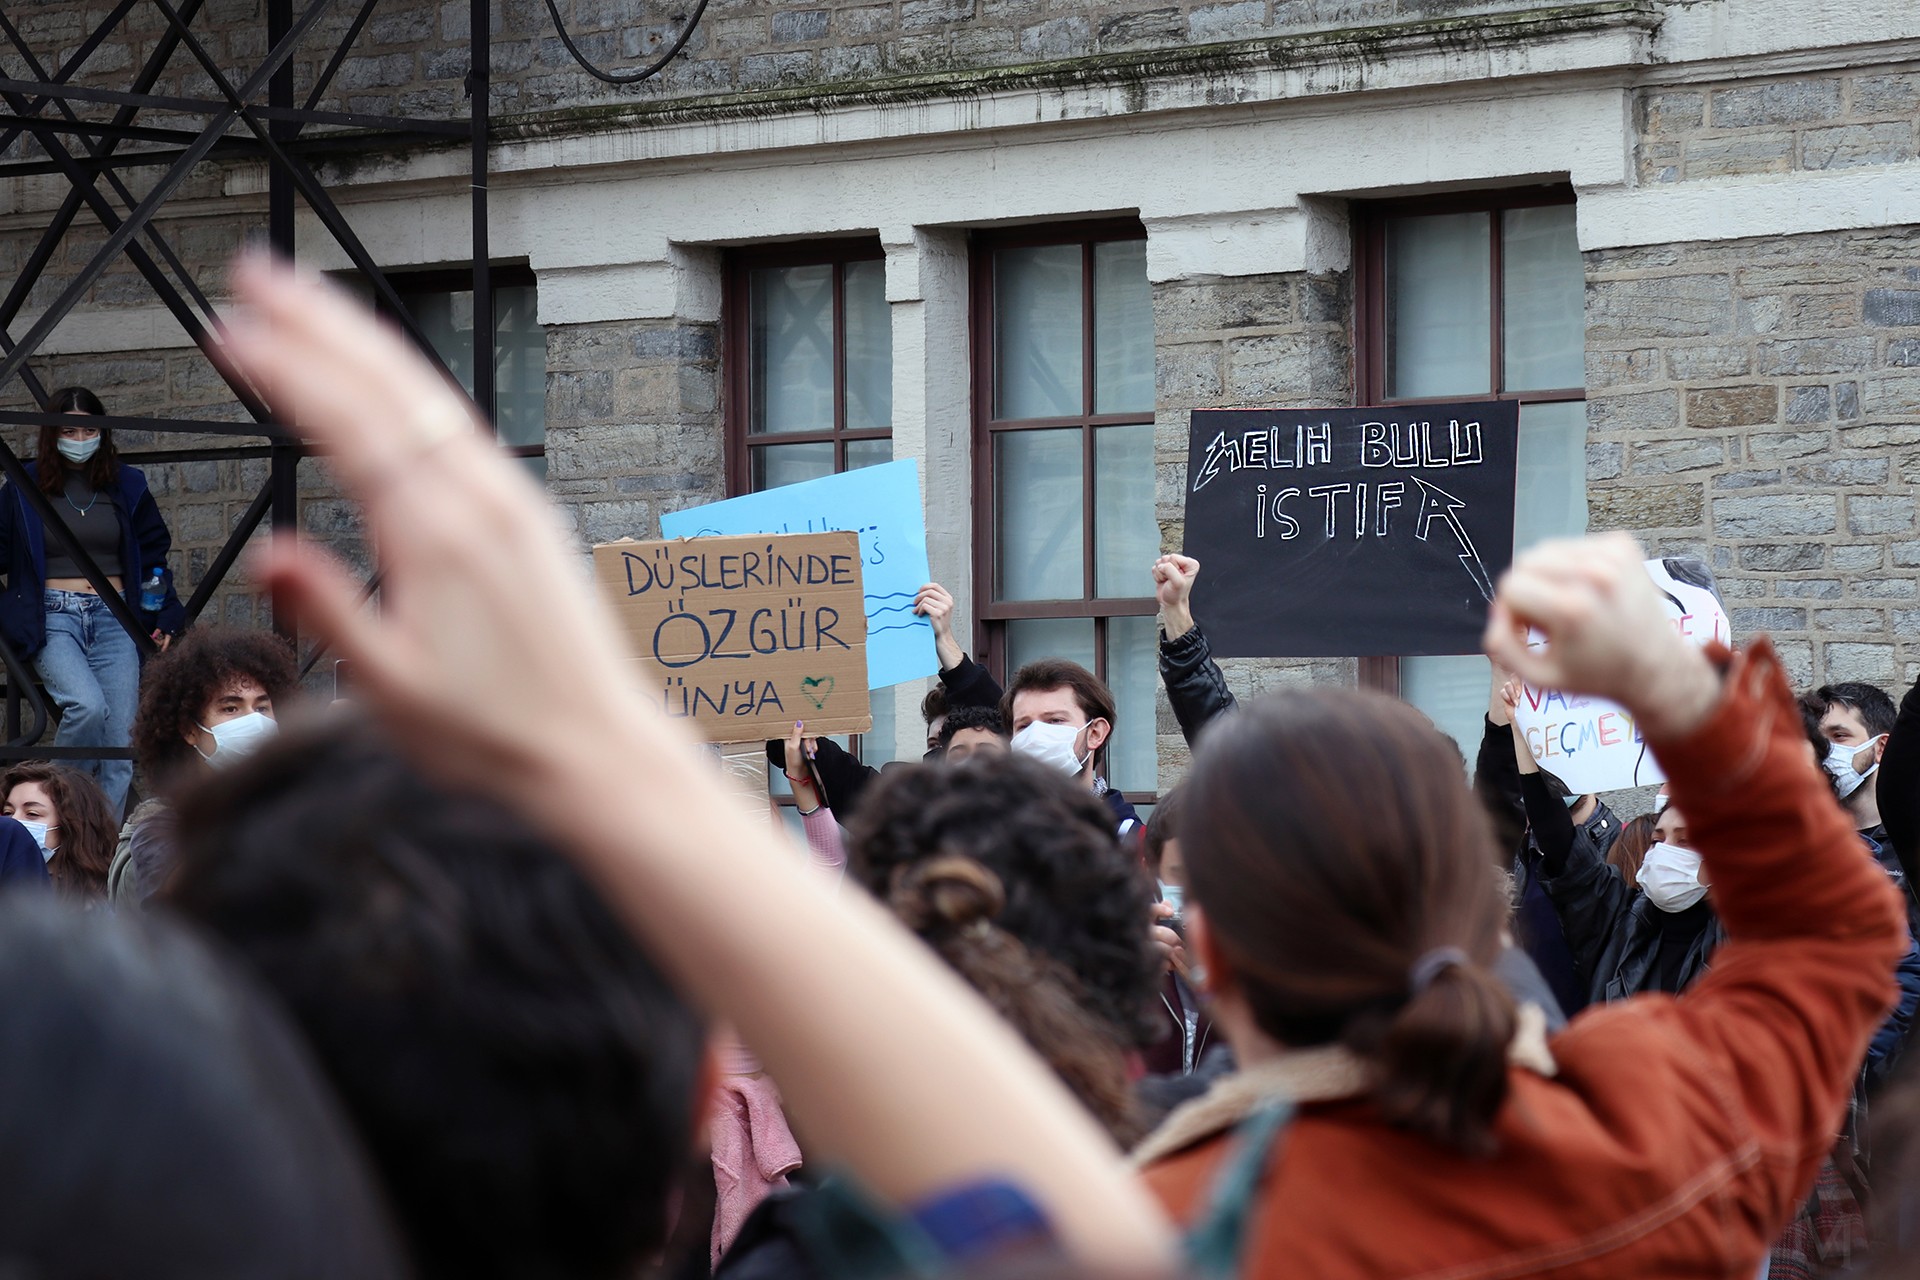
[[1437, 504]]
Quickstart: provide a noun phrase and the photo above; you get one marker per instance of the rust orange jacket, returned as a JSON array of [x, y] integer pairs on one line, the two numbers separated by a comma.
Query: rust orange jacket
[[1679, 1134]]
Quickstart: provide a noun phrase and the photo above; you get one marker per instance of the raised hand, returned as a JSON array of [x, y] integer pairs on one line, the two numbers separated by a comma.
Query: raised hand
[[935, 603], [1606, 632], [1173, 578]]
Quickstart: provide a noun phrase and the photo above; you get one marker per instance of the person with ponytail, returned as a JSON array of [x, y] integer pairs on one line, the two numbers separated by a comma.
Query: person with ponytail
[[51, 611], [1395, 1114]]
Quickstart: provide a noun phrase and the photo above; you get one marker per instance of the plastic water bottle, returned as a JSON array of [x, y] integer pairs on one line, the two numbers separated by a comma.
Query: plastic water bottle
[[153, 590]]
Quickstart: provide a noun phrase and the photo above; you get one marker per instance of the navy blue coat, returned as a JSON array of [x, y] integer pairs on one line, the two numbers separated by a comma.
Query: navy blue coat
[[22, 865], [144, 543]]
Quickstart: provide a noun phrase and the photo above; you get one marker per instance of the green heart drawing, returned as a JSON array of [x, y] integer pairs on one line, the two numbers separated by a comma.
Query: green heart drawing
[[817, 689]]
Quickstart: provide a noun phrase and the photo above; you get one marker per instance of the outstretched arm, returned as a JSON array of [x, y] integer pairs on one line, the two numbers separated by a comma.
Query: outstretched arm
[[1196, 687], [892, 1064]]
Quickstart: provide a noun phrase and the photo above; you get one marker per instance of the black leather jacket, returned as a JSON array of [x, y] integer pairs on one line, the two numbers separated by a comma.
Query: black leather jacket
[[1195, 686]]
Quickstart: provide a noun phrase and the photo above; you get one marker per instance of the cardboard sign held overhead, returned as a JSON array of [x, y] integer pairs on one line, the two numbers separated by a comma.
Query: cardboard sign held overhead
[[1349, 532], [744, 636]]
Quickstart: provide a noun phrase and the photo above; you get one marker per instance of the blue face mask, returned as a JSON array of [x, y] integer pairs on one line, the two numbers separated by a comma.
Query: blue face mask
[[39, 830], [1572, 802], [77, 451]]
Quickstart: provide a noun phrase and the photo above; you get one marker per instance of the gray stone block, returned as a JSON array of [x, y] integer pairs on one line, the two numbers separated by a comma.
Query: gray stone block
[[1639, 507], [791, 26], [1807, 589], [1750, 619], [1775, 515], [1798, 101], [923, 14], [1227, 21], [1799, 356], [1809, 404], [1843, 471], [1867, 555], [1603, 460], [1147, 26], [1686, 306], [1856, 620], [1783, 557], [1871, 663], [1746, 479], [1057, 38], [1892, 307], [1856, 144], [1885, 588], [1897, 94], [1640, 411], [1868, 515], [1696, 361]]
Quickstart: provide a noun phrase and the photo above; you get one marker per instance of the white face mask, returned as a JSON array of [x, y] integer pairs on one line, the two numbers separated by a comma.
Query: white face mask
[[1839, 763], [237, 738], [1670, 876], [38, 830], [78, 450], [1054, 745]]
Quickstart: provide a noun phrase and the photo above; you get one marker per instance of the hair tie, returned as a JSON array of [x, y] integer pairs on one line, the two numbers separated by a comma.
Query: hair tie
[[1432, 965]]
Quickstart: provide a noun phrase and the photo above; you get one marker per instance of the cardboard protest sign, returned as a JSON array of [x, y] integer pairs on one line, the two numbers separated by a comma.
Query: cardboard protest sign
[[1350, 532], [744, 636], [1595, 745], [882, 505]]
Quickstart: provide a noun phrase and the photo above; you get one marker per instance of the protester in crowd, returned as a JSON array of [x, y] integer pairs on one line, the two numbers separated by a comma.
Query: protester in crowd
[[1536, 923], [1856, 720], [826, 842], [1190, 1028], [1344, 915], [206, 703], [161, 1119], [1071, 894], [23, 863], [1196, 687], [496, 668], [972, 731], [523, 1077], [1063, 715], [1629, 851], [68, 817], [52, 612], [963, 683]]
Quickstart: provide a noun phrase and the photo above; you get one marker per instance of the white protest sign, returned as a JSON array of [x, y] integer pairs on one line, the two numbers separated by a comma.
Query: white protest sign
[[1595, 745]]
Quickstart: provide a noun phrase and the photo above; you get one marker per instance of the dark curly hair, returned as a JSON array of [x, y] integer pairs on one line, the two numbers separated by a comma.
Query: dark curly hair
[[959, 718], [522, 1074], [1070, 892], [177, 686], [88, 828], [954, 905]]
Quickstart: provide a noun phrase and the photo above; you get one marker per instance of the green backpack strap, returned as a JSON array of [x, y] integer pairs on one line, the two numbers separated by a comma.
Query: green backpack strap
[[1218, 1237]]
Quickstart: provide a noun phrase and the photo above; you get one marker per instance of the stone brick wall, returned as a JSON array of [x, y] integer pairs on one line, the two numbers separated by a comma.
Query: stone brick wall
[[412, 57], [1758, 402], [1218, 342], [633, 413], [1833, 121]]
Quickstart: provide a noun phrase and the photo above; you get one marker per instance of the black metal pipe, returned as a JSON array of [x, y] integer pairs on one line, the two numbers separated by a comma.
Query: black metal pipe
[[479, 91], [230, 550], [78, 59], [176, 426]]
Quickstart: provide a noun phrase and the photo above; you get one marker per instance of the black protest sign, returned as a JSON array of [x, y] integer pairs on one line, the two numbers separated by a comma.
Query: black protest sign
[[1350, 532]]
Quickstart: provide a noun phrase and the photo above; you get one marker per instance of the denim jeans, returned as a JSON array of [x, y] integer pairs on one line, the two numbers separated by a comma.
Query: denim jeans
[[91, 668]]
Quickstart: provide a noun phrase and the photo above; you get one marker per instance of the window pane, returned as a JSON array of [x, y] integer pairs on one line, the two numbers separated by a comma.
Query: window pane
[[1037, 332], [520, 367], [1453, 693], [775, 465], [1543, 300], [445, 317], [1038, 495], [1552, 504], [1122, 328], [1030, 639], [1133, 647], [1439, 308], [869, 346], [790, 319], [877, 745], [868, 453], [1126, 537], [1552, 480]]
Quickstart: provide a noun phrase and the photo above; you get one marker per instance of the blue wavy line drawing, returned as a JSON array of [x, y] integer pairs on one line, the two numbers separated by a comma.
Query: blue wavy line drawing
[[897, 626], [894, 595], [892, 608]]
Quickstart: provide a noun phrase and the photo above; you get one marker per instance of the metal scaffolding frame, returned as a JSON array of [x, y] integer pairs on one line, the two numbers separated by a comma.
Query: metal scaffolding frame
[[40, 107]]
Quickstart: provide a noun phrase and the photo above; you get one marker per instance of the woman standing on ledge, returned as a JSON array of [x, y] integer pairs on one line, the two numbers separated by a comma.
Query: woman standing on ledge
[[52, 613]]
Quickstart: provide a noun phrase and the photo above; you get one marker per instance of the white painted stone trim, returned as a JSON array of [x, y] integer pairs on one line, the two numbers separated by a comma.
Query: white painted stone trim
[[1741, 208]]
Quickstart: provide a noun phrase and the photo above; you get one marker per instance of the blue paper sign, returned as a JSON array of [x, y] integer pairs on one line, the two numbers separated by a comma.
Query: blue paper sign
[[882, 505]]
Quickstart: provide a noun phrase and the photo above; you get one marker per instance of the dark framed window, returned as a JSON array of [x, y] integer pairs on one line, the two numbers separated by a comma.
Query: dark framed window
[[441, 303], [1479, 295], [1065, 532], [809, 366], [809, 363]]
